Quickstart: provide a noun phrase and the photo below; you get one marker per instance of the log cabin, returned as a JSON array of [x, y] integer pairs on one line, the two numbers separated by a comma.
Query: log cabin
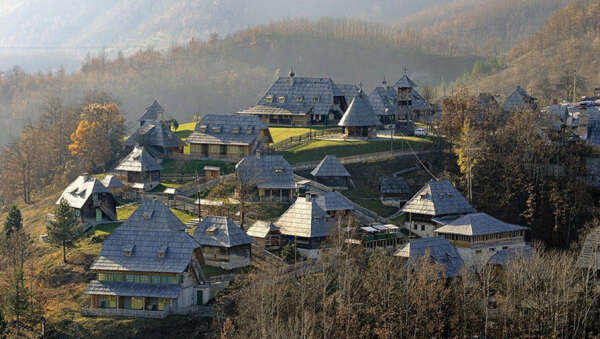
[[92, 201], [224, 243]]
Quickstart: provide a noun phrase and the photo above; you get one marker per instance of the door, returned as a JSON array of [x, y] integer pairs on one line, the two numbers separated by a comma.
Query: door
[[199, 297], [98, 215]]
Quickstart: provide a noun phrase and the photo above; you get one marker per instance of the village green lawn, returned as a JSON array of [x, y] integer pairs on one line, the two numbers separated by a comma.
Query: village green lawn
[[171, 166], [282, 133], [316, 150], [184, 130], [124, 212]]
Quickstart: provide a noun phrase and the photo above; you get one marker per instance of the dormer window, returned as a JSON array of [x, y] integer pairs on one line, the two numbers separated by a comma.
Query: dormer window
[[425, 196], [279, 170], [128, 250], [211, 230], [203, 128], [162, 252], [148, 215], [269, 98], [216, 129], [299, 99], [316, 99], [235, 130], [281, 100], [249, 130]]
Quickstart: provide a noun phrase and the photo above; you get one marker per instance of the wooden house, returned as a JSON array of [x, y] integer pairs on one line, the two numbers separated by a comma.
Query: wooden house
[[334, 204], [393, 191], [229, 137], [139, 169], [440, 250], [376, 236], [384, 100], [302, 101], [154, 112], [114, 185], [148, 267], [434, 200], [410, 103], [212, 172], [306, 225], [269, 177], [330, 172], [478, 237], [266, 235], [518, 101], [224, 243], [92, 201], [360, 120]]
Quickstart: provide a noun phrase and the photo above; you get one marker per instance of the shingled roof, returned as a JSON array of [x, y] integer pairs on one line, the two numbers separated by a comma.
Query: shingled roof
[[478, 224], [111, 181], [359, 113], [394, 185], [132, 289], [154, 112], [139, 160], [330, 166], [348, 91], [384, 100], [220, 232], [80, 190], [440, 249], [506, 256], [405, 82], [228, 129], [333, 201], [518, 100], [305, 219], [135, 245], [154, 133], [297, 95], [266, 171], [589, 257], [438, 198], [260, 229]]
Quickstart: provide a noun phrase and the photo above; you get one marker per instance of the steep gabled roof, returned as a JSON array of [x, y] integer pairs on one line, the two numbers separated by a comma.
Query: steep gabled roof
[[154, 112], [305, 219], [228, 129], [589, 257], [478, 224], [111, 181], [384, 100], [348, 91], [300, 95], [517, 100], [440, 250], [266, 171], [260, 229], [394, 185], [438, 198], [333, 201], [154, 133], [330, 166], [359, 113], [220, 232], [139, 160], [135, 245], [405, 82], [80, 190]]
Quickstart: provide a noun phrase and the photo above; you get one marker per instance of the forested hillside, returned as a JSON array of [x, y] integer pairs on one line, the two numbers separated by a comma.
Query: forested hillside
[[483, 27], [224, 75], [564, 54]]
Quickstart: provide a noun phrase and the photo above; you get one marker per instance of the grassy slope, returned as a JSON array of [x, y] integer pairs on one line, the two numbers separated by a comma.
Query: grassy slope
[[316, 150], [282, 133], [192, 166]]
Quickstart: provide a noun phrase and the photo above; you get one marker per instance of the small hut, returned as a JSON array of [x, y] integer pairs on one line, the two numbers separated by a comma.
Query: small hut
[[360, 119], [92, 201], [265, 234], [330, 172], [139, 169], [224, 243], [393, 191]]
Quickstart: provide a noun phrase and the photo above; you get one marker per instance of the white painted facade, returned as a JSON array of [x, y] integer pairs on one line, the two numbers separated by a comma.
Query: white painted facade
[[421, 228], [476, 257]]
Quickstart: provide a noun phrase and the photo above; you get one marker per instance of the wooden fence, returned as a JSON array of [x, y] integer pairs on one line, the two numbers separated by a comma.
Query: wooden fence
[[302, 139]]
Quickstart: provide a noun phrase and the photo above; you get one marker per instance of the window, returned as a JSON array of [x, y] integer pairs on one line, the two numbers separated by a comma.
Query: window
[[101, 276], [299, 99], [422, 227], [269, 98], [281, 100], [203, 128], [155, 279], [216, 129], [316, 99], [492, 249], [504, 247], [478, 251], [415, 227], [235, 130], [137, 303]]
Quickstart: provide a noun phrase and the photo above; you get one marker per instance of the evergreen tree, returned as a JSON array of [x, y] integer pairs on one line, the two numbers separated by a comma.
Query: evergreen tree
[[14, 221], [3, 326], [62, 231], [17, 300]]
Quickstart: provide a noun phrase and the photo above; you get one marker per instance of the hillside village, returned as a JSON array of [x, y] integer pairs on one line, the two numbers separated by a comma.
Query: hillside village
[[190, 211]]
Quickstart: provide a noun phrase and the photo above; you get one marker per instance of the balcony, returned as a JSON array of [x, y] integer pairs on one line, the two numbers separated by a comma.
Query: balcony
[[122, 312]]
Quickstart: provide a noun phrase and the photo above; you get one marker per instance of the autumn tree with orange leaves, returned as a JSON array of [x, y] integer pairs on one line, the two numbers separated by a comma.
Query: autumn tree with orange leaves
[[96, 141]]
